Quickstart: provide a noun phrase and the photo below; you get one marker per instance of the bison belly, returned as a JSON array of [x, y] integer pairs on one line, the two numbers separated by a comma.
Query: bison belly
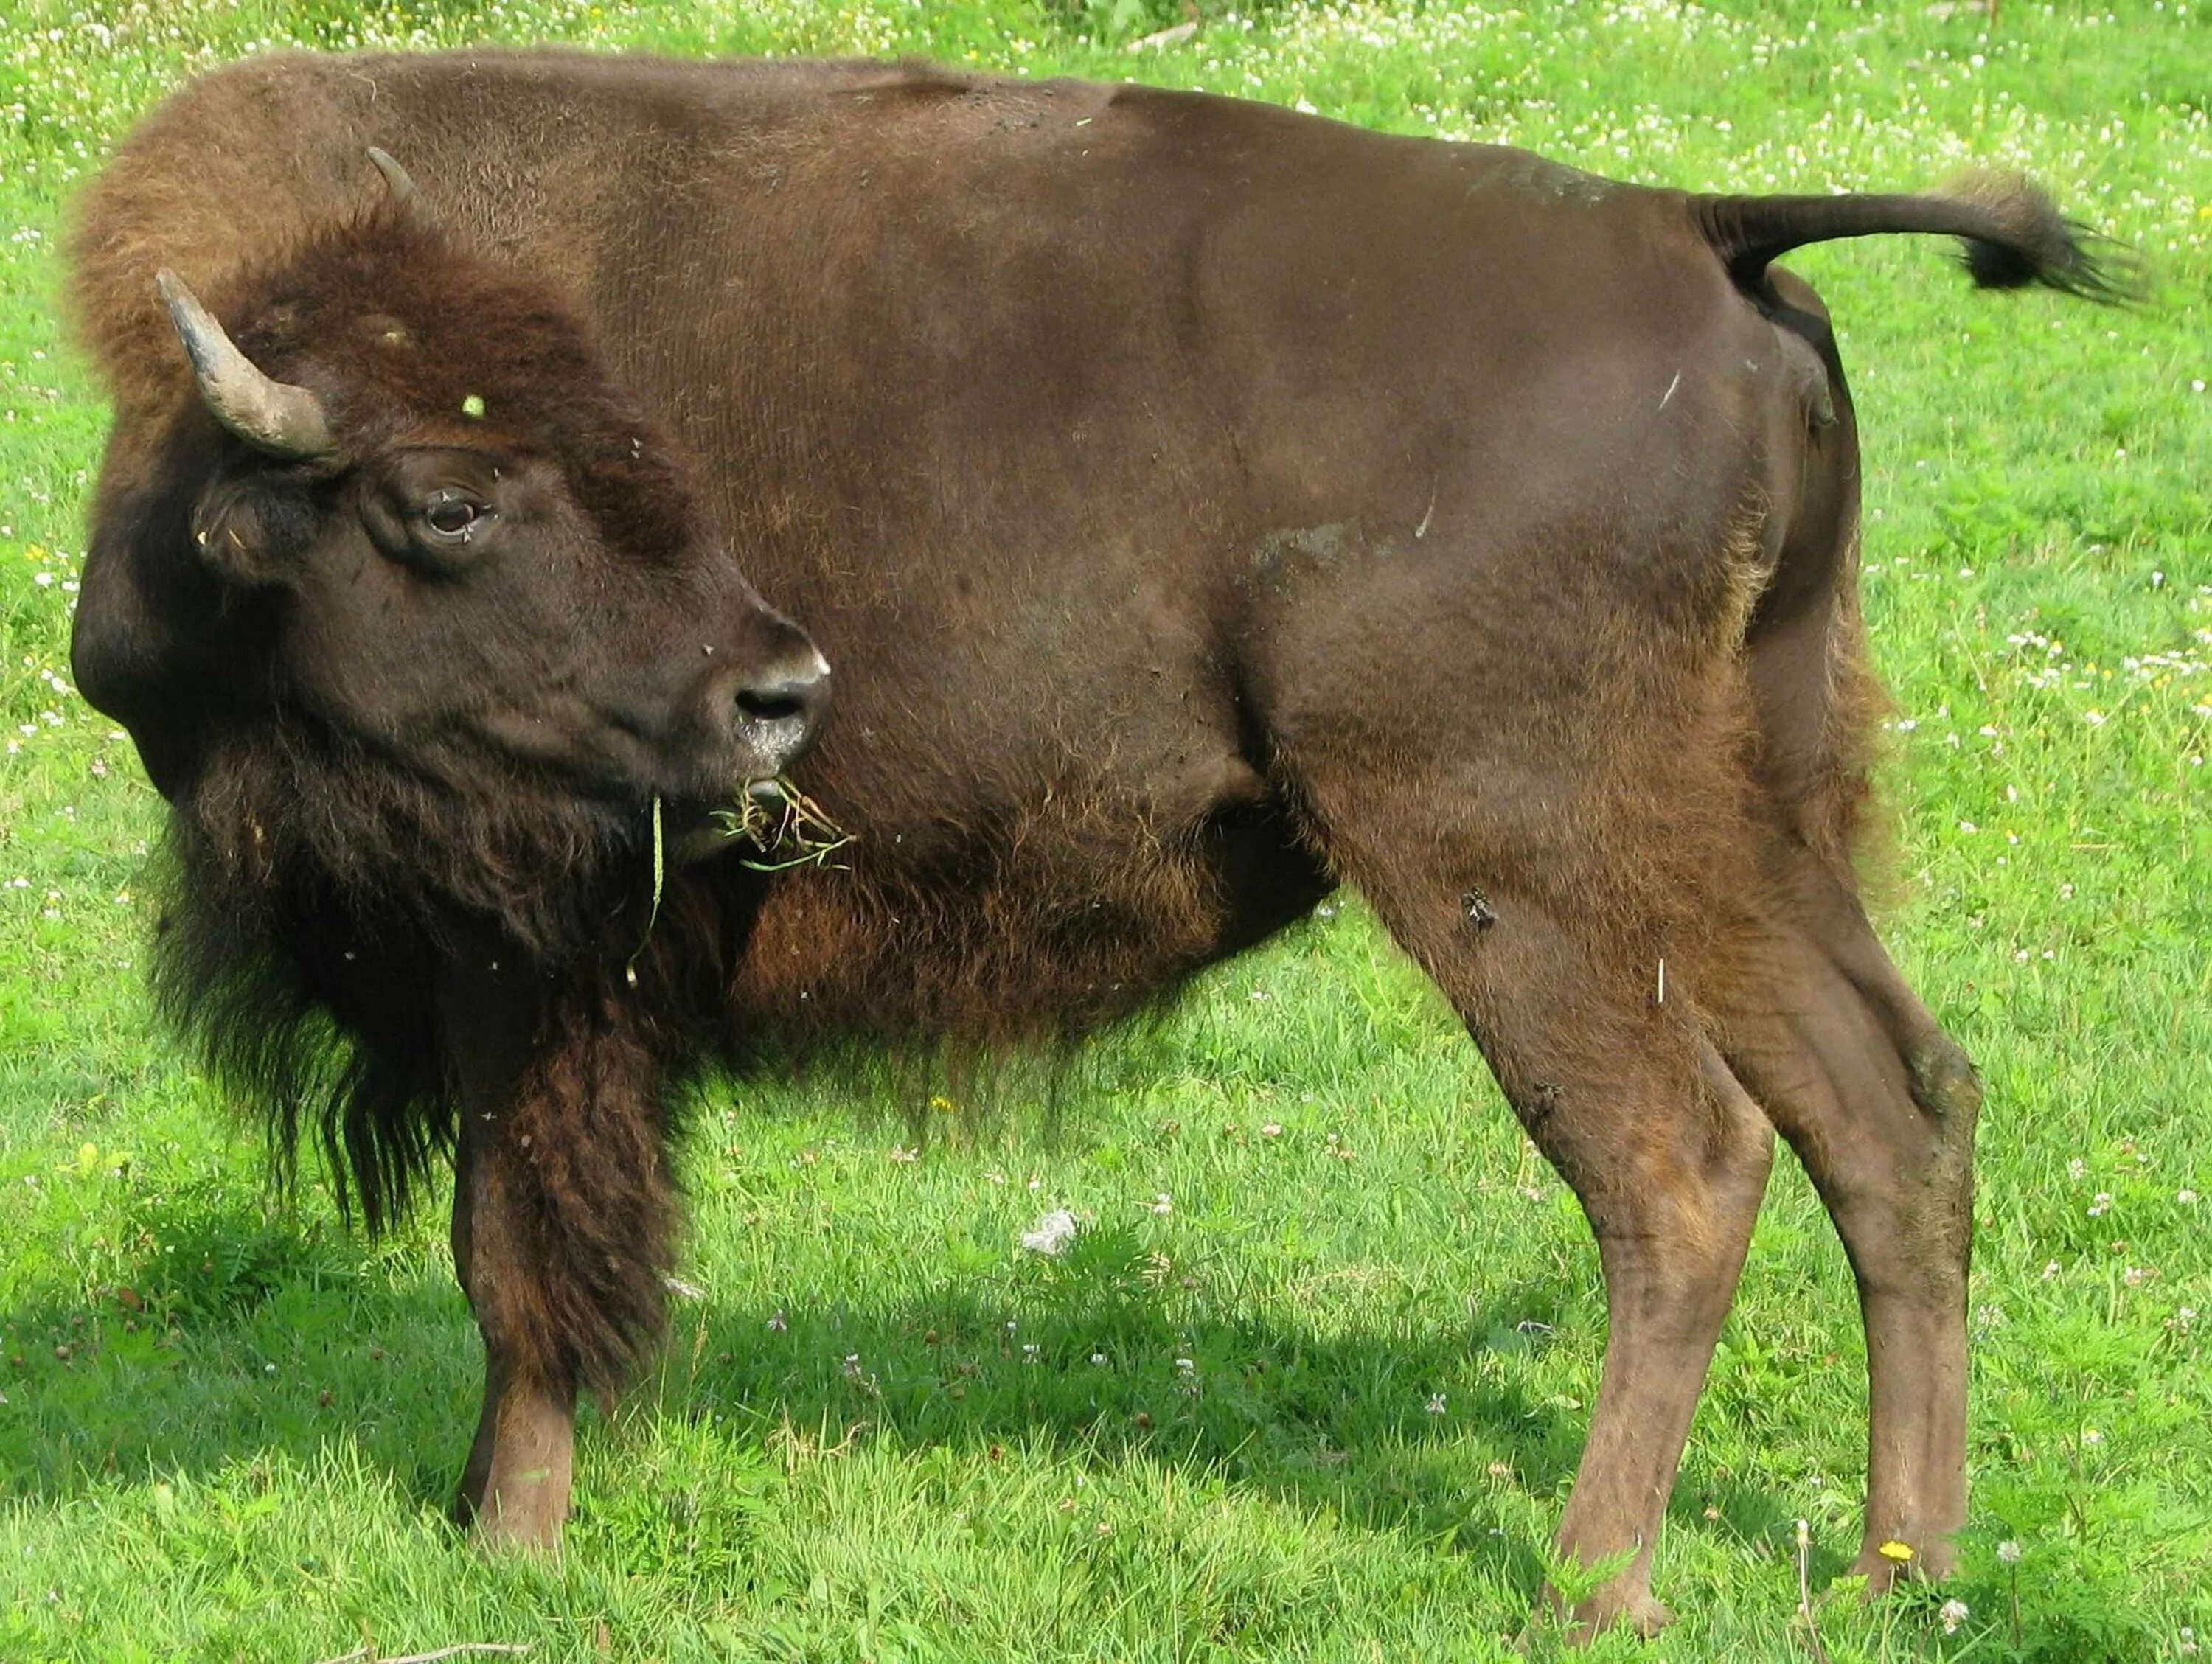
[[1078, 909]]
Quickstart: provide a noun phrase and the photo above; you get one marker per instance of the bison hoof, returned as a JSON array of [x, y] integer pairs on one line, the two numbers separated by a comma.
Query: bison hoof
[[521, 1519], [513, 1532], [1643, 1614], [1636, 1610]]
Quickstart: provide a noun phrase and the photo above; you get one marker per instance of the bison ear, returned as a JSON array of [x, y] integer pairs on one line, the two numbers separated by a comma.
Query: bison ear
[[251, 531]]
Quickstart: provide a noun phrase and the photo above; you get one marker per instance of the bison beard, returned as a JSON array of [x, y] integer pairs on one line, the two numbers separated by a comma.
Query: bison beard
[[312, 893], [310, 888], [1421, 516]]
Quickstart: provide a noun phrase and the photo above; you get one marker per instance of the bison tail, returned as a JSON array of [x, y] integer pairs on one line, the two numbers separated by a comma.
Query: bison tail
[[2013, 233]]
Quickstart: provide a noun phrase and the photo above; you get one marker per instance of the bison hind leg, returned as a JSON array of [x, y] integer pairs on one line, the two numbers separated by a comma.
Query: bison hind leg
[[1878, 1101], [1880, 1105], [1574, 950]]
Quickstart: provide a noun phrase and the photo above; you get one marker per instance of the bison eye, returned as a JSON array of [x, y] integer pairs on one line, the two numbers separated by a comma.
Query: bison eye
[[450, 514]]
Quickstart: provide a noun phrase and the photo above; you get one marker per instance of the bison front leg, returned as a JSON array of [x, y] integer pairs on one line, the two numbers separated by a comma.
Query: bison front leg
[[514, 1489], [561, 1214]]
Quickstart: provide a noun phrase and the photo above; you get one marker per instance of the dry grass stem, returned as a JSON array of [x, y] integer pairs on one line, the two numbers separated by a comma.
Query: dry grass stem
[[788, 827], [1805, 1591], [659, 883]]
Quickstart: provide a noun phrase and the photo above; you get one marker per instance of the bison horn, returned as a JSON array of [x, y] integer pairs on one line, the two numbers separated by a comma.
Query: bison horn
[[404, 194], [269, 414]]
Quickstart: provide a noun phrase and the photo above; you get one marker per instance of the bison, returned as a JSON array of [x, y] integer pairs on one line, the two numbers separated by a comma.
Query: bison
[[1202, 505]]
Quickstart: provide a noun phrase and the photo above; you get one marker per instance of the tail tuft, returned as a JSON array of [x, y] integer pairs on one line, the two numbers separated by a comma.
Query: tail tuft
[[2034, 244], [2014, 236]]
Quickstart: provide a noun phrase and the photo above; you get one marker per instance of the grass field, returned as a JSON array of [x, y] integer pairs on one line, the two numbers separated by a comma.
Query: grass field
[[1314, 1381]]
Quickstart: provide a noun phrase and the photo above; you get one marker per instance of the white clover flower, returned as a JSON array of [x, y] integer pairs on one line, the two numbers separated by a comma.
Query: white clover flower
[[1954, 1612], [1051, 1235], [2009, 1552]]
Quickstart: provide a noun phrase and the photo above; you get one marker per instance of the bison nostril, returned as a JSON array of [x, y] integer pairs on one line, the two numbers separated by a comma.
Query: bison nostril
[[770, 704]]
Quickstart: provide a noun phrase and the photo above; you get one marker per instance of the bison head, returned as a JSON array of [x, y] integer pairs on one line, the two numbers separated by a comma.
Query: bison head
[[405, 589]]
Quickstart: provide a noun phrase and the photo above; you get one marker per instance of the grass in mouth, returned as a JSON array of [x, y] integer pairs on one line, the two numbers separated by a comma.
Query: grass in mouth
[[786, 827]]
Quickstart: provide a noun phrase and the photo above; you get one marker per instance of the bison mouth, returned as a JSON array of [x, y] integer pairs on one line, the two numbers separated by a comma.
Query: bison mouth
[[775, 825]]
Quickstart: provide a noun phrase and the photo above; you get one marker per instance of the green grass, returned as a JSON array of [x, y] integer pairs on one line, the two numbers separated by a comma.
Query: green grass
[[228, 1429]]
